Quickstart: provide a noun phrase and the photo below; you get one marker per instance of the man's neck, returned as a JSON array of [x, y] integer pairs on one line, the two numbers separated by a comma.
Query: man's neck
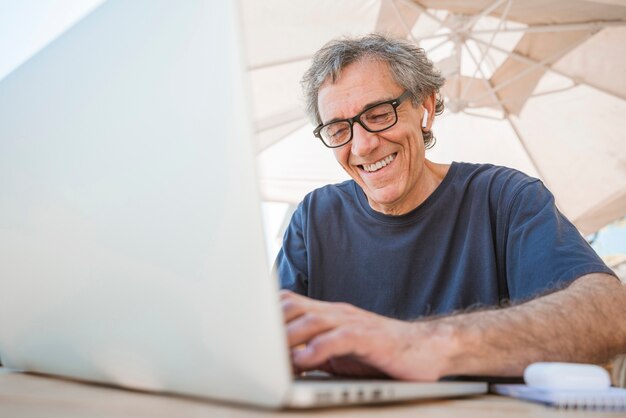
[[431, 177]]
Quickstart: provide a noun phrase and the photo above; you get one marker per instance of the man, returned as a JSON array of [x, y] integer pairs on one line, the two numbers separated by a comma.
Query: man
[[418, 270]]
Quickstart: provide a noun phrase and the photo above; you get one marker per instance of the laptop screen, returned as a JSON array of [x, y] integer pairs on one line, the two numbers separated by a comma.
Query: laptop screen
[[132, 249]]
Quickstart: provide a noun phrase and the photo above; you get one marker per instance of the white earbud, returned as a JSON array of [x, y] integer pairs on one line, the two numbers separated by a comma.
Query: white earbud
[[425, 120]]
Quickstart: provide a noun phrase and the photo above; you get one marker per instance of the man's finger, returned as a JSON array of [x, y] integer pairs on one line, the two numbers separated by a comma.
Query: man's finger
[[306, 326], [292, 309], [294, 305], [338, 342]]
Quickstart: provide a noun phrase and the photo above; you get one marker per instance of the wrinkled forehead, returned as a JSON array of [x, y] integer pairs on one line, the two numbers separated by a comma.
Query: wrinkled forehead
[[358, 85]]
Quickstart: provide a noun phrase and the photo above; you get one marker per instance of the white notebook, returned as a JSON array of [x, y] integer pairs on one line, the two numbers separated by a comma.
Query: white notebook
[[610, 399]]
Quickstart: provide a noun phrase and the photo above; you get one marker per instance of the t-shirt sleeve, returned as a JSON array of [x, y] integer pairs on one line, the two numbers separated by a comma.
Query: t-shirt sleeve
[[544, 250], [291, 261]]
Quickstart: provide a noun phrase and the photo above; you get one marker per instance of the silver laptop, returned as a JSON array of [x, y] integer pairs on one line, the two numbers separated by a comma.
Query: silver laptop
[[131, 241]]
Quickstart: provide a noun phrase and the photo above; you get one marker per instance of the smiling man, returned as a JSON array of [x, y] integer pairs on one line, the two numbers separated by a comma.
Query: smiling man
[[418, 270]]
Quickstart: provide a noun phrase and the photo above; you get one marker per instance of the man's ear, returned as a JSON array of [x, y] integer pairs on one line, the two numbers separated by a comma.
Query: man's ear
[[429, 111]]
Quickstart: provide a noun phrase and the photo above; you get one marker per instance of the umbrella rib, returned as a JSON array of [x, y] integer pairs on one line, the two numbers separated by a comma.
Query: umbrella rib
[[433, 36], [485, 81], [479, 115], [565, 27], [588, 84], [425, 11], [458, 50], [528, 154], [486, 51], [520, 57], [527, 60], [475, 18], [517, 97], [534, 65], [602, 204], [439, 45], [402, 21]]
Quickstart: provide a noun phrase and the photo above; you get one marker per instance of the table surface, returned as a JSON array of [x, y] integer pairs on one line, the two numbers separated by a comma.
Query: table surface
[[24, 395]]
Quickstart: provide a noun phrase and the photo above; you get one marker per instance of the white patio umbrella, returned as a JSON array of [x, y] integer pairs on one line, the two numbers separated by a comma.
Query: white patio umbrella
[[536, 85]]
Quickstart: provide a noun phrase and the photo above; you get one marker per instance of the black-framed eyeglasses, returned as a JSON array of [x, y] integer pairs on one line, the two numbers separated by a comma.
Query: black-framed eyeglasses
[[375, 118]]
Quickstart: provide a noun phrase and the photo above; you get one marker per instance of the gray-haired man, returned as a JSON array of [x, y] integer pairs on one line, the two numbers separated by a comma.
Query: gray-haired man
[[367, 260]]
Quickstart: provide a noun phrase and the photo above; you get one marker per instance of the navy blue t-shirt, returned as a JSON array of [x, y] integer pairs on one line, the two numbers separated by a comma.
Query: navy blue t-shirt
[[487, 234]]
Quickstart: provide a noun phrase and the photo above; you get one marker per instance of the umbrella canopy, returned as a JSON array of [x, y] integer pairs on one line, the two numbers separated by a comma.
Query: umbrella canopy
[[536, 85]]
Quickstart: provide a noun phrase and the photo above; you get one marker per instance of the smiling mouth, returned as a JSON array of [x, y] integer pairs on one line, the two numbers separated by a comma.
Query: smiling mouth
[[371, 168]]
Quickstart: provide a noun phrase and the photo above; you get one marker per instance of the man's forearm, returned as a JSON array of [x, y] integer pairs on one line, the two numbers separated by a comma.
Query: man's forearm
[[585, 322]]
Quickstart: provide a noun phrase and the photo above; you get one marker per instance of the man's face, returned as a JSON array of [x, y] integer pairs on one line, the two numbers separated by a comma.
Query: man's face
[[397, 187]]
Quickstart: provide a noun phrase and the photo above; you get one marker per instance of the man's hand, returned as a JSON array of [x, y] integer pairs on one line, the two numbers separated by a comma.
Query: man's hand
[[345, 340]]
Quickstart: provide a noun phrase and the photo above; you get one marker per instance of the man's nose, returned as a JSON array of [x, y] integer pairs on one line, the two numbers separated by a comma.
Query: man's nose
[[363, 142]]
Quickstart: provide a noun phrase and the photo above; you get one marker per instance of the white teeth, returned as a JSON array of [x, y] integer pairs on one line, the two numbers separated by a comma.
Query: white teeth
[[379, 164]]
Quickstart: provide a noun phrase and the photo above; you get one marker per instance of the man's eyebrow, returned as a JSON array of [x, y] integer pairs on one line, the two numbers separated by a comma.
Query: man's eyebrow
[[365, 106]]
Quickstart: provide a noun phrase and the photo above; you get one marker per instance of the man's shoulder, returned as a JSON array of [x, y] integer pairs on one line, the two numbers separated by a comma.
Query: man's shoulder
[[332, 194], [494, 177], [327, 202]]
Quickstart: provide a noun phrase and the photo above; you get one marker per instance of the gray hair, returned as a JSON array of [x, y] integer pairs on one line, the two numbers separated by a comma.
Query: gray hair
[[409, 67]]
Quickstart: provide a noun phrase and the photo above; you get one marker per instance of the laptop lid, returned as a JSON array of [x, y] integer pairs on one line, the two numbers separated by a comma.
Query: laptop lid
[[131, 242]]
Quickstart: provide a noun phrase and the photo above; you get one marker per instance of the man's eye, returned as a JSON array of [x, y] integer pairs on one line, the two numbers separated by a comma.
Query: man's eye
[[337, 132], [379, 116]]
